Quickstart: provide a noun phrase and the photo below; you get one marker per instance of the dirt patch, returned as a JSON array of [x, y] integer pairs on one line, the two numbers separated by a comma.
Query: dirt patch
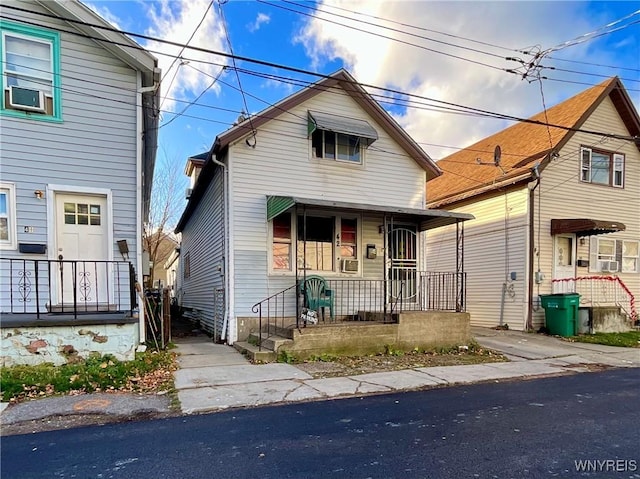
[[350, 366]]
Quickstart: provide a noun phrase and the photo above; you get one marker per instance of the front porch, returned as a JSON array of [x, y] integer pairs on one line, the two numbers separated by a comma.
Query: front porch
[[57, 311]]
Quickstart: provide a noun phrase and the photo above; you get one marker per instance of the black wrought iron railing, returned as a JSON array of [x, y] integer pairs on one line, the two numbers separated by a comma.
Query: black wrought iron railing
[[278, 310], [356, 299], [66, 287]]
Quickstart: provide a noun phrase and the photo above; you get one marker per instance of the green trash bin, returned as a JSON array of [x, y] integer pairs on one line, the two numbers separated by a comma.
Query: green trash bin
[[561, 313]]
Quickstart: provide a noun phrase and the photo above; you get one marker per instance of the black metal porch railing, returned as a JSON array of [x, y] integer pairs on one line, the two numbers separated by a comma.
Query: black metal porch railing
[[67, 287], [276, 311], [356, 299]]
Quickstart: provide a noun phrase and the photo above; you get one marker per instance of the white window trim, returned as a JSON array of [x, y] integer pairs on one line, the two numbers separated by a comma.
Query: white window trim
[[336, 159], [12, 242], [618, 249], [35, 75], [337, 266], [612, 167], [623, 256]]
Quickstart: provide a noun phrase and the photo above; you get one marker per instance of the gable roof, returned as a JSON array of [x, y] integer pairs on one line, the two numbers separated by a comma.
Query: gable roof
[[114, 41], [340, 79], [470, 171]]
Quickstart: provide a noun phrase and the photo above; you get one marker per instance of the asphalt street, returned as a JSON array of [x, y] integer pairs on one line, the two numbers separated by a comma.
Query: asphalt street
[[585, 425]]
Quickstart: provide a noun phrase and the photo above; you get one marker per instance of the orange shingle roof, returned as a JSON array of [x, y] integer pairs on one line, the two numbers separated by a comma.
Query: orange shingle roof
[[523, 145]]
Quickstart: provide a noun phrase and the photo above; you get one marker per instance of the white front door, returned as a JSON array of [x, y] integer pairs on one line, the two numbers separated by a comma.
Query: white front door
[[82, 246], [564, 261]]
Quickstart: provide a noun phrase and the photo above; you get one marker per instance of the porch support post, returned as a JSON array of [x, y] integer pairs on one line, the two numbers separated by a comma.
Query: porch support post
[[294, 261], [460, 283], [385, 273]]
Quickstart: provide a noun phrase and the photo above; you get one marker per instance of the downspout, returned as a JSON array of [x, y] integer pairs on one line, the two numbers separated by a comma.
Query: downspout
[[531, 248], [225, 228], [139, 204]]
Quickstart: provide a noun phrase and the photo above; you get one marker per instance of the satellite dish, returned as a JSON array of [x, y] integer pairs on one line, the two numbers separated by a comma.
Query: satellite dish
[[497, 154]]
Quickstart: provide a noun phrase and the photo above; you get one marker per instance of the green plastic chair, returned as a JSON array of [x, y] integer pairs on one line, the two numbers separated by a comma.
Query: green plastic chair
[[317, 295]]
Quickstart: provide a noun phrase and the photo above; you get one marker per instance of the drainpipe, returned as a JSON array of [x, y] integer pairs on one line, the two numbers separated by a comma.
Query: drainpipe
[[531, 248], [226, 268]]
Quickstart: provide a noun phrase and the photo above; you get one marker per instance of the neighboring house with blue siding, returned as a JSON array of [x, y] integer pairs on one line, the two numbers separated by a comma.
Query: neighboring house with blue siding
[[79, 120], [323, 183]]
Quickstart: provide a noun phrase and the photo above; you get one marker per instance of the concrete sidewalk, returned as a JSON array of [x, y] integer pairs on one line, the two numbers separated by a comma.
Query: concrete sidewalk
[[220, 381], [215, 377]]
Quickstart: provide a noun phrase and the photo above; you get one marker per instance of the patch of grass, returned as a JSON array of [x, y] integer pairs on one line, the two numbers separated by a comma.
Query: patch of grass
[[285, 356], [150, 370], [630, 339]]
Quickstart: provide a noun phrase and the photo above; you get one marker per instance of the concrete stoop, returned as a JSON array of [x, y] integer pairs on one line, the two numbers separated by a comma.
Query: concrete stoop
[[267, 353]]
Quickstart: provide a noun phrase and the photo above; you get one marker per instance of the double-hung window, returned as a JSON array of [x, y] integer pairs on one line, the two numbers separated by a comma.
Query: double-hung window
[[601, 167], [339, 138], [30, 72], [336, 146], [8, 232], [614, 255]]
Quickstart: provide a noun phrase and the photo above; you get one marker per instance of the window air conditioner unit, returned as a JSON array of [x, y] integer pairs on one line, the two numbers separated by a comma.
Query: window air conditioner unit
[[350, 265], [187, 193], [26, 99], [610, 266]]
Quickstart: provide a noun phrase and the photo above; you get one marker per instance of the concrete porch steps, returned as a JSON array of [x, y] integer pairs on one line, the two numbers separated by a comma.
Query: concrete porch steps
[[267, 353], [252, 352]]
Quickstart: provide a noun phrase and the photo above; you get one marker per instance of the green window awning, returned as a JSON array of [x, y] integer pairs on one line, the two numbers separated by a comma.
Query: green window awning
[[340, 124]]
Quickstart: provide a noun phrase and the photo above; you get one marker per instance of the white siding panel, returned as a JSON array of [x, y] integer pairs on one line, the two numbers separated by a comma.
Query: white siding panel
[[93, 147], [563, 195], [203, 240], [281, 164], [493, 249]]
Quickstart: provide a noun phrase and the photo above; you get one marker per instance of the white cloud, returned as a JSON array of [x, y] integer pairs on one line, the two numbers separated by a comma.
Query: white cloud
[[261, 19], [105, 13], [379, 61], [176, 21]]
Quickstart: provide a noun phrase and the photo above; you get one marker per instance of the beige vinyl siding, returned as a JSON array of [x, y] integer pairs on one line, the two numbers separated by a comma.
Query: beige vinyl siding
[[494, 247], [563, 195], [203, 240], [281, 164], [94, 146]]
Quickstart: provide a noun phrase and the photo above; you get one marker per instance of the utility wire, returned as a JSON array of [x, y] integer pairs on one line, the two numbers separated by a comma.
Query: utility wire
[[298, 70], [351, 27], [325, 6], [235, 69], [404, 32], [193, 34]]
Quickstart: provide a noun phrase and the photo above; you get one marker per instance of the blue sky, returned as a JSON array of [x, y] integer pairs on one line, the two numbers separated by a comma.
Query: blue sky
[[408, 56]]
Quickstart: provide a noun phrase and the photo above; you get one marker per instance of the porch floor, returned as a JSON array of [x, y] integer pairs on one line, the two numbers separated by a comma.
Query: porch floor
[[23, 320]]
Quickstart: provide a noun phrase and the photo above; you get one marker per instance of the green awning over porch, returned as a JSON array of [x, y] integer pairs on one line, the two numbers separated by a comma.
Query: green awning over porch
[[426, 219]]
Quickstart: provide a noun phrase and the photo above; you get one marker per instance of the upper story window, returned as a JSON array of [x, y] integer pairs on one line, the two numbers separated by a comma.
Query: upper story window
[[7, 216], [602, 167], [339, 138], [30, 70]]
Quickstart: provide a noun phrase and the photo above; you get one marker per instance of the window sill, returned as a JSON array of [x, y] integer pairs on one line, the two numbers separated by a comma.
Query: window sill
[[30, 116]]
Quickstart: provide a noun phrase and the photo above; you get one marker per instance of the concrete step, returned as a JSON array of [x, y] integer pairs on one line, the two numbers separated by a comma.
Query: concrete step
[[254, 353], [272, 342]]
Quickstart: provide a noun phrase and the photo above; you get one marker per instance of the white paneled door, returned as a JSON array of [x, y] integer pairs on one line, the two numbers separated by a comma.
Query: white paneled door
[[83, 275]]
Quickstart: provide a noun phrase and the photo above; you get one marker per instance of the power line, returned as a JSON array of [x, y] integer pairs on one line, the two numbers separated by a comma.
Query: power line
[[193, 34], [351, 27], [615, 67], [404, 32], [305, 72], [413, 26]]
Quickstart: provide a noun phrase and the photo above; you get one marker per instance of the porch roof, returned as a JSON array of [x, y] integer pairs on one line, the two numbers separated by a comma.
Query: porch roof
[[427, 219], [585, 226]]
